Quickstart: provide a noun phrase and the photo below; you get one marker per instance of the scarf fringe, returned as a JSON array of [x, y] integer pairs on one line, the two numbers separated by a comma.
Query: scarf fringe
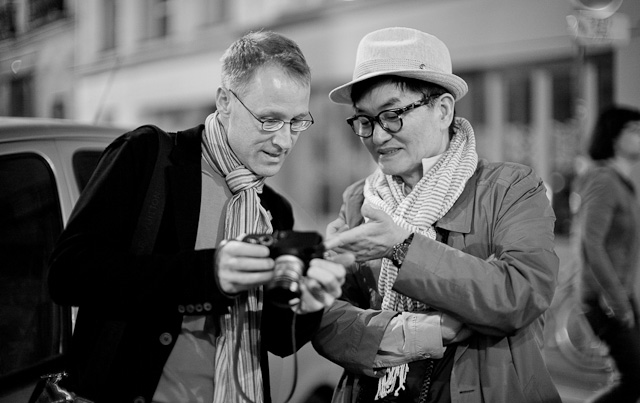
[[392, 376]]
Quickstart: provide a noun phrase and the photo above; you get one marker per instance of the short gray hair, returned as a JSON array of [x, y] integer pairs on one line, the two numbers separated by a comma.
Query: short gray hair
[[256, 49]]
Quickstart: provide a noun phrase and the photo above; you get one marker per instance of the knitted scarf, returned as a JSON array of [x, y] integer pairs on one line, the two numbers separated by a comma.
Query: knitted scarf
[[429, 200], [244, 215]]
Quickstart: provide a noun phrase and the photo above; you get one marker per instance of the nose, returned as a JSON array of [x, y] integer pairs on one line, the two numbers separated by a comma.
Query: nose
[[379, 135], [283, 138]]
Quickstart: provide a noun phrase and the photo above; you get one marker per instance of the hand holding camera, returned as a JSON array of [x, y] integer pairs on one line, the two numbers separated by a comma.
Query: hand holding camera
[[289, 264]]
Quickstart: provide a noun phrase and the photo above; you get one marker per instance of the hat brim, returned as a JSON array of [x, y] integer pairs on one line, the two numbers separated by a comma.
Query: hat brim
[[456, 85]]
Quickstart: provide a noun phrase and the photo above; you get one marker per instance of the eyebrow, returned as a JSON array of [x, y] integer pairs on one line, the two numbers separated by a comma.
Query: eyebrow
[[302, 116], [390, 104]]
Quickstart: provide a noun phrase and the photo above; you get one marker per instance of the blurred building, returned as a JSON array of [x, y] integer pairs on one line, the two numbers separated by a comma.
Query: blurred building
[[37, 45], [535, 88]]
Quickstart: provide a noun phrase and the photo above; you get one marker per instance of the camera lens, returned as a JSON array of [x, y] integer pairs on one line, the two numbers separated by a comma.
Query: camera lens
[[286, 281]]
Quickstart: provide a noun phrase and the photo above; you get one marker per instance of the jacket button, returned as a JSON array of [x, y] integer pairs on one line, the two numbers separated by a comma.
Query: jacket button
[[207, 306], [139, 399], [166, 339], [190, 308], [181, 308]]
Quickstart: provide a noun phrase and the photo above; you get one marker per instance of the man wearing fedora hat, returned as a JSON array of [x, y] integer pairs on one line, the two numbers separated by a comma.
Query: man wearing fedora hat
[[455, 255]]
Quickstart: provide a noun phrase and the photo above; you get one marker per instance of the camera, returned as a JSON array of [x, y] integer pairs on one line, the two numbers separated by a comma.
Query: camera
[[292, 251]]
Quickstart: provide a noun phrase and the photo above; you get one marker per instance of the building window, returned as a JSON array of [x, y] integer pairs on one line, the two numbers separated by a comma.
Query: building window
[[472, 105], [21, 103], [213, 11], [564, 95], [518, 84], [7, 20], [58, 109], [157, 18], [109, 24], [42, 12]]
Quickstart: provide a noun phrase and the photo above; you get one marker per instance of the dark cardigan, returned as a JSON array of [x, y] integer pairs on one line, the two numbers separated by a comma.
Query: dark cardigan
[[131, 307]]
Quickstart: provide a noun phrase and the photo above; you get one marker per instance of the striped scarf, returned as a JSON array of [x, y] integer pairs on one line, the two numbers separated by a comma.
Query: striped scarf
[[430, 200], [244, 215]]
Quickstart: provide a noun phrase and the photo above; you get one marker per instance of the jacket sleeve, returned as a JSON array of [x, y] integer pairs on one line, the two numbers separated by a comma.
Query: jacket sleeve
[[598, 206], [92, 263], [502, 274], [351, 331]]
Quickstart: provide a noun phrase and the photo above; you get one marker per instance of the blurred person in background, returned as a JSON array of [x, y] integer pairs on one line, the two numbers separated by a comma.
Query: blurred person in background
[[455, 255], [607, 237], [180, 324]]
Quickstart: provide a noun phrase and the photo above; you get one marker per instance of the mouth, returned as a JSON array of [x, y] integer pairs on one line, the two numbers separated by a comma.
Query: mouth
[[388, 151], [276, 155]]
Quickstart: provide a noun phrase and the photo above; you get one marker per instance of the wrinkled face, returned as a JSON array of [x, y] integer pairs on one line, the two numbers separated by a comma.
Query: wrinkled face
[[271, 94], [424, 131], [628, 143]]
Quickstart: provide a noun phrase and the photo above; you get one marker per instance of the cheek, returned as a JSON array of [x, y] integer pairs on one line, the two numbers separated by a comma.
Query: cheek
[[369, 146]]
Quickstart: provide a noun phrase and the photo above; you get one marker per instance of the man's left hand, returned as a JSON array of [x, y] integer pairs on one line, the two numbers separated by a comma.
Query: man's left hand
[[322, 284]]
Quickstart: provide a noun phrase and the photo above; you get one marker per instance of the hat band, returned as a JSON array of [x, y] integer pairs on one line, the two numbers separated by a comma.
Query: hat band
[[382, 65]]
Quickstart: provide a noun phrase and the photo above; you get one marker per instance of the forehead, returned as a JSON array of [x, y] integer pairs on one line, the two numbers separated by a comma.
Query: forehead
[[384, 96], [275, 90]]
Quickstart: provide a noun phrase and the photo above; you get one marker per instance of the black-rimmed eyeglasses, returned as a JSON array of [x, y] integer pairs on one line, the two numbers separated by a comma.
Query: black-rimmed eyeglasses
[[273, 125], [389, 119]]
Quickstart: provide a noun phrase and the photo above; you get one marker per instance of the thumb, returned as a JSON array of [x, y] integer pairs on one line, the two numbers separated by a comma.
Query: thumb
[[345, 259], [371, 213], [336, 226], [333, 242]]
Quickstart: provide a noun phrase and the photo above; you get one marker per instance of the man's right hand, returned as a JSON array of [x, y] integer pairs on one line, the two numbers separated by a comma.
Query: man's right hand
[[453, 331], [241, 266]]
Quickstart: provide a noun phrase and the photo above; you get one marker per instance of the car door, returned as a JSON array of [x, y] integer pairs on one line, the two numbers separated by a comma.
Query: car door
[[40, 179]]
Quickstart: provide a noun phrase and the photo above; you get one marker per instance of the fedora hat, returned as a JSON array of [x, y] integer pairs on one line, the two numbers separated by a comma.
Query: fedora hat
[[403, 52]]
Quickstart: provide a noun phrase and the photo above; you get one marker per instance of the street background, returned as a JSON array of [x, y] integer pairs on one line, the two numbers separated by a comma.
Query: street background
[[539, 72]]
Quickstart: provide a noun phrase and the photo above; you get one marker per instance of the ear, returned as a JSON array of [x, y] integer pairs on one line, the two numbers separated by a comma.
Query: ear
[[446, 105], [223, 100]]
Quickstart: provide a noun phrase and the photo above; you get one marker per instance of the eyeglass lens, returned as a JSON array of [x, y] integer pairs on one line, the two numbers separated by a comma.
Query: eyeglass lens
[[272, 125], [389, 120]]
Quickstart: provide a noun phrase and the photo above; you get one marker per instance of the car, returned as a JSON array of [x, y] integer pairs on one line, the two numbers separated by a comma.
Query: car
[[44, 166]]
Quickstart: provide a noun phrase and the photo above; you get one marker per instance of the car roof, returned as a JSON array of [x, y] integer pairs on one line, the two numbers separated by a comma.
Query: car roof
[[14, 129]]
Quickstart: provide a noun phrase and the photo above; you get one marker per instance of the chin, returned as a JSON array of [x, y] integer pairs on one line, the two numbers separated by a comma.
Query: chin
[[267, 171]]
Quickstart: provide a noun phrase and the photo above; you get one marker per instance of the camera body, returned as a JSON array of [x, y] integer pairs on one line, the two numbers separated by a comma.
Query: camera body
[[292, 251]]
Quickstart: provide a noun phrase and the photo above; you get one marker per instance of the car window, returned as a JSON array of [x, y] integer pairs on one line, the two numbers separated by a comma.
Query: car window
[[31, 325], [84, 163]]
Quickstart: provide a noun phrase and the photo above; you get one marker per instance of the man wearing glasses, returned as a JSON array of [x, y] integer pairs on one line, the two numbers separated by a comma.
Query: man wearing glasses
[[188, 320], [455, 259]]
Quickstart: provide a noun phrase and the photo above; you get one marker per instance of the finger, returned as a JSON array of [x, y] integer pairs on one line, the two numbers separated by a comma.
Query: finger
[[233, 282], [335, 242], [248, 264], [315, 289], [248, 278], [238, 248], [373, 214], [336, 226], [329, 276], [345, 259]]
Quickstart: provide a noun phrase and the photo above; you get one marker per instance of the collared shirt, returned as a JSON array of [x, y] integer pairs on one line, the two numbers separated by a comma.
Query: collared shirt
[[427, 164]]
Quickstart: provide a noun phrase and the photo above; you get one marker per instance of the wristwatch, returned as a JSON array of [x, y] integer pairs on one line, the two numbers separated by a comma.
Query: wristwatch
[[399, 251]]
